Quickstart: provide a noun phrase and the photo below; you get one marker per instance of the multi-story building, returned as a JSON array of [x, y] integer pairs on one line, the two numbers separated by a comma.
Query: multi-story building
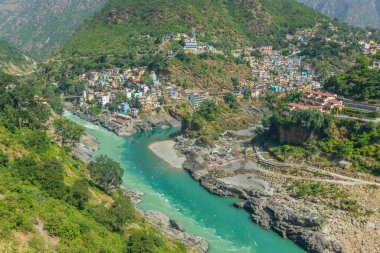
[[317, 100], [196, 98]]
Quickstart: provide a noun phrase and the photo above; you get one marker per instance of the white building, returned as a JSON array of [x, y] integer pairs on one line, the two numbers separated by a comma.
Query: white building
[[105, 100]]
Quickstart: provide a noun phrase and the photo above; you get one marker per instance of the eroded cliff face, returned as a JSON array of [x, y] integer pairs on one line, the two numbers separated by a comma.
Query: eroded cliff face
[[274, 210], [360, 13], [293, 135]]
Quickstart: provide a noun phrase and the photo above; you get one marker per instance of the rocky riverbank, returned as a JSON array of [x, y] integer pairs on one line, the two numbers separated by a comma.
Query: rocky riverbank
[[84, 149], [263, 193], [170, 227], [145, 122]]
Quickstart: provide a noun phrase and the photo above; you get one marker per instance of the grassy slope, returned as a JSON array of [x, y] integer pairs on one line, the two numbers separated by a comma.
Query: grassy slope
[[13, 61], [22, 203]]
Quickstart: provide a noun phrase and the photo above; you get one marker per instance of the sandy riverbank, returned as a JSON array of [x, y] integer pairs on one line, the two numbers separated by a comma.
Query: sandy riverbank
[[166, 151]]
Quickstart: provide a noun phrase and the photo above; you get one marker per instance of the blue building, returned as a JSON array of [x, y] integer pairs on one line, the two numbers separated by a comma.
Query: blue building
[[275, 88], [154, 78], [125, 108]]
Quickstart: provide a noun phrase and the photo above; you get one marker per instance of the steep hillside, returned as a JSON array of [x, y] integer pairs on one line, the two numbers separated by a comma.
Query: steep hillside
[[132, 33], [49, 200], [13, 61], [120, 27], [361, 13], [41, 27]]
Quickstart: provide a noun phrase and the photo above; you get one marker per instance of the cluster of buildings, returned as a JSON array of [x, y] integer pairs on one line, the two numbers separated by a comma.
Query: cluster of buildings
[[275, 72], [191, 44], [128, 91], [317, 100], [124, 87], [194, 46], [369, 48]]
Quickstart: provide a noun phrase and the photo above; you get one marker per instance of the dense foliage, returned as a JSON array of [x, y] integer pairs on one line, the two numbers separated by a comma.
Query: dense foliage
[[313, 136], [68, 131], [359, 82], [225, 24], [47, 201], [19, 106], [106, 173]]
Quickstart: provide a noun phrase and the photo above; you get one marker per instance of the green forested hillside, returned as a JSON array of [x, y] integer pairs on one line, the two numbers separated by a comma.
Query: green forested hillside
[[119, 27], [41, 28], [13, 61], [51, 201], [131, 33], [360, 82]]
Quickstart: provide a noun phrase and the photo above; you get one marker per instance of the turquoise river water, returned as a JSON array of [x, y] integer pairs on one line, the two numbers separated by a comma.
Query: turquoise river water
[[176, 194]]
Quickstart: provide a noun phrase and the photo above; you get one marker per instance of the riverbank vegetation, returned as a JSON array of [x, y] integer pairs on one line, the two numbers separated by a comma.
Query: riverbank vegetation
[[312, 136], [48, 199], [211, 119]]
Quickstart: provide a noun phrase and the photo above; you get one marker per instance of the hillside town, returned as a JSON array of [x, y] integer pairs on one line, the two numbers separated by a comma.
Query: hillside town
[[124, 94]]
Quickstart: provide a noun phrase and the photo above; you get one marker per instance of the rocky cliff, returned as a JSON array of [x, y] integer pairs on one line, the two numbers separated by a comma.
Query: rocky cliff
[[271, 209], [362, 13], [293, 135]]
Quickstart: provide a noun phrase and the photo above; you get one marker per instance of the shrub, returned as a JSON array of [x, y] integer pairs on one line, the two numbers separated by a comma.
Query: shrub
[[3, 159], [79, 194], [37, 140], [47, 174], [106, 173], [115, 217]]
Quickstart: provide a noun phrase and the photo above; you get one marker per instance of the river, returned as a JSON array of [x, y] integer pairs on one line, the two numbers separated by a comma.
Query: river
[[175, 193]]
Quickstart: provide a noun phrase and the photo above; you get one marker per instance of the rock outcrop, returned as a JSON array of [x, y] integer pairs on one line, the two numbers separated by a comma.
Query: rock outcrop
[[175, 230], [276, 211], [144, 123], [170, 227], [84, 149]]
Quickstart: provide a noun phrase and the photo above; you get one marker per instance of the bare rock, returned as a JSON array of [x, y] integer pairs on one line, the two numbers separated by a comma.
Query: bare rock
[[176, 231]]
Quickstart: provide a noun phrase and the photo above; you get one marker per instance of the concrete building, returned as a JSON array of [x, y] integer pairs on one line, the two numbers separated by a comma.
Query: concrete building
[[196, 98]]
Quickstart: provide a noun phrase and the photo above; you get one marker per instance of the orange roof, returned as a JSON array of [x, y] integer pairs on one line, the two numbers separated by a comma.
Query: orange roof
[[319, 93], [334, 101], [299, 106]]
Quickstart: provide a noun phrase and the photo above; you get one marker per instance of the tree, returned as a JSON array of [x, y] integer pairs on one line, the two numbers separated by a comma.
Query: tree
[[3, 159], [47, 174], [68, 131], [116, 216], [140, 242], [79, 194], [18, 104], [235, 81], [231, 100], [37, 140], [208, 110], [106, 173], [50, 176]]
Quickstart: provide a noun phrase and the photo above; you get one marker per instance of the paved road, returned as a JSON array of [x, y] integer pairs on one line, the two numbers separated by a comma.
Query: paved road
[[377, 121], [358, 105], [344, 179]]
